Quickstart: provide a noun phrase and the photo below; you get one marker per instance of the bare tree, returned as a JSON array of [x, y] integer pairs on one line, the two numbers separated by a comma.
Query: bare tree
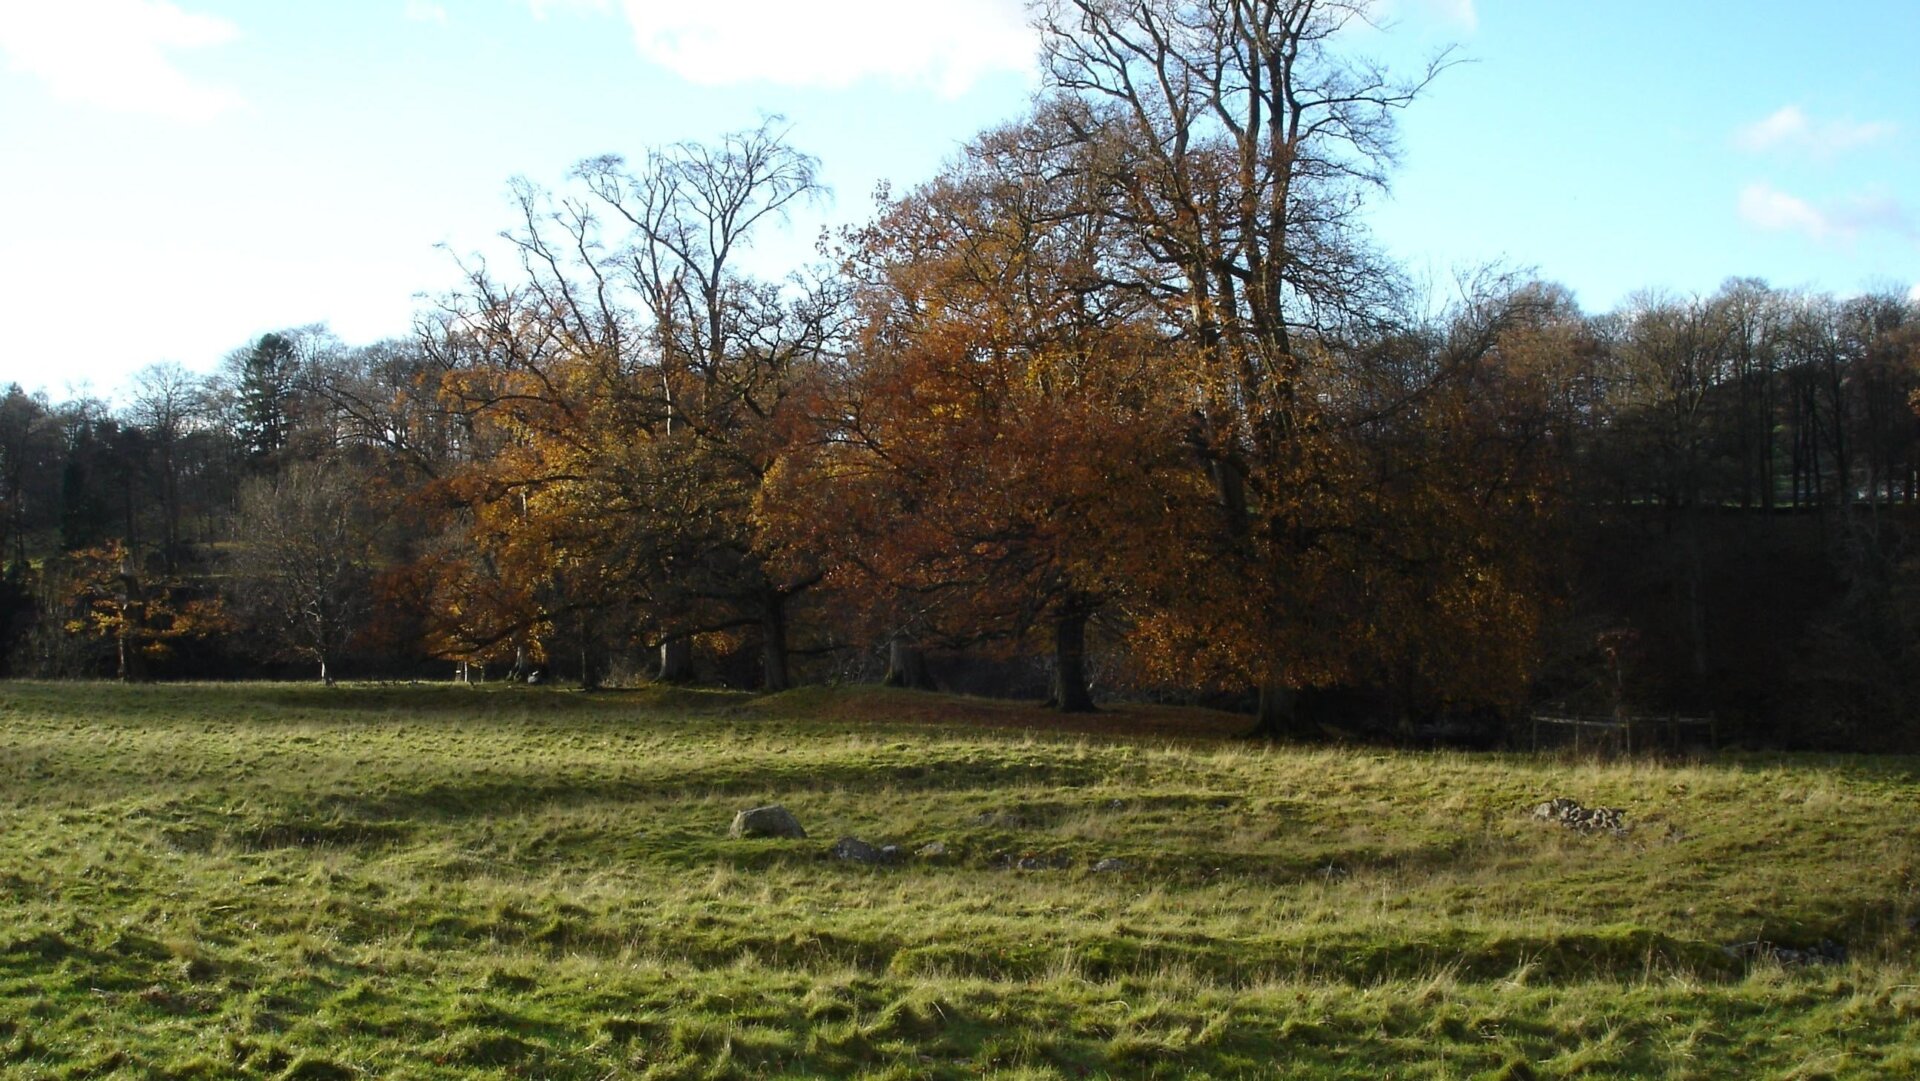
[[305, 565], [30, 459], [168, 403]]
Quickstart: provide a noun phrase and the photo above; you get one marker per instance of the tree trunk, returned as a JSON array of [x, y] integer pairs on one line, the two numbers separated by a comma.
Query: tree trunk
[[1696, 597], [169, 510], [589, 671], [773, 644], [676, 661], [1070, 694], [133, 619], [326, 677], [907, 666], [1276, 715], [1768, 477]]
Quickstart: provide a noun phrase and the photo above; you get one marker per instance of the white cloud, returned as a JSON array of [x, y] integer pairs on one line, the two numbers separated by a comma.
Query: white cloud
[[831, 43], [1791, 129], [1870, 213], [114, 53], [425, 11], [1460, 12], [1775, 211]]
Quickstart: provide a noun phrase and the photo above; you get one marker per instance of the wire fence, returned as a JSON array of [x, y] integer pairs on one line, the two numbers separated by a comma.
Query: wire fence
[[1623, 733]]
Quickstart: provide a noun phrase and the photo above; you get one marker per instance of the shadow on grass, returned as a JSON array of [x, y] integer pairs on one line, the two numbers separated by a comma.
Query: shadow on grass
[[534, 790]]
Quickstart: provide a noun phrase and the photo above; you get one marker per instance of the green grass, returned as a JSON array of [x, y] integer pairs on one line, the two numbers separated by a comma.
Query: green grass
[[278, 881]]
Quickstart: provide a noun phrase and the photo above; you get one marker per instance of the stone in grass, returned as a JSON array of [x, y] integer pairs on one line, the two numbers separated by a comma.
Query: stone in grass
[[1570, 814], [1109, 865], [933, 850], [1828, 952], [858, 851], [772, 820]]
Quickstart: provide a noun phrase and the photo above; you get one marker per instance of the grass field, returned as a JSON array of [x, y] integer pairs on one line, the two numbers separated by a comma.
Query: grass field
[[278, 881]]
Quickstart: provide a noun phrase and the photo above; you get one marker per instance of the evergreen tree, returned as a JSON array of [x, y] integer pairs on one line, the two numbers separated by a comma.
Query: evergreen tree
[[265, 389]]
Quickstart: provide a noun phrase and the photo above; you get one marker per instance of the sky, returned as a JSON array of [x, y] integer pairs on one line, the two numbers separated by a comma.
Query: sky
[[178, 177]]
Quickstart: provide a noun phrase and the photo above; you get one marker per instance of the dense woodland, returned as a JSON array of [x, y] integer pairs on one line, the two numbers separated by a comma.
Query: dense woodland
[[1123, 403]]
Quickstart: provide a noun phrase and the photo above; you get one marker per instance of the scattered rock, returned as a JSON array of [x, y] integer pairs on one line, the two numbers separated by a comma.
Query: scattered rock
[[890, 853], [932, 851], [1043, 863], [1570, 814], [772, 820], [1828, 952], [1116, 805], [858, 851], [1108, 865]]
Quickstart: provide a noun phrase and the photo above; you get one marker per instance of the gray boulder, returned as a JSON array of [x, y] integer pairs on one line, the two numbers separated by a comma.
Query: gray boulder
[[858, 851], [772, 820]]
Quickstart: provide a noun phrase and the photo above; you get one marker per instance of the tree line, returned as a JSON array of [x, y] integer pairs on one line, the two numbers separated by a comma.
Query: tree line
[[1124, 401]]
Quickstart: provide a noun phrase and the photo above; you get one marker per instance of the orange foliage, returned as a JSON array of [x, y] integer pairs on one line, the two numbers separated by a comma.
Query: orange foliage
[[1002, 441], [115, 600]]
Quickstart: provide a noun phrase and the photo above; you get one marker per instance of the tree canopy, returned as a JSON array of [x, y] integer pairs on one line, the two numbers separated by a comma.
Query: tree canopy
[[1124, 400]]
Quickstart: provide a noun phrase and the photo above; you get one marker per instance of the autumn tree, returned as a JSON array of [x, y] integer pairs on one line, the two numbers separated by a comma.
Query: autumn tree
[[639, 387], [994, 449], [110, 596], [1462, 459], [729, 351], [1241, 143]]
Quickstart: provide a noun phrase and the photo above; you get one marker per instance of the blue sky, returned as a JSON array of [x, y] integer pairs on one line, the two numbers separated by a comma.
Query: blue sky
[[179, 176]]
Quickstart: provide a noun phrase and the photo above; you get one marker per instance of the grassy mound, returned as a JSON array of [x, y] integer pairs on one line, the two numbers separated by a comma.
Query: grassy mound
[[274, 881]]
